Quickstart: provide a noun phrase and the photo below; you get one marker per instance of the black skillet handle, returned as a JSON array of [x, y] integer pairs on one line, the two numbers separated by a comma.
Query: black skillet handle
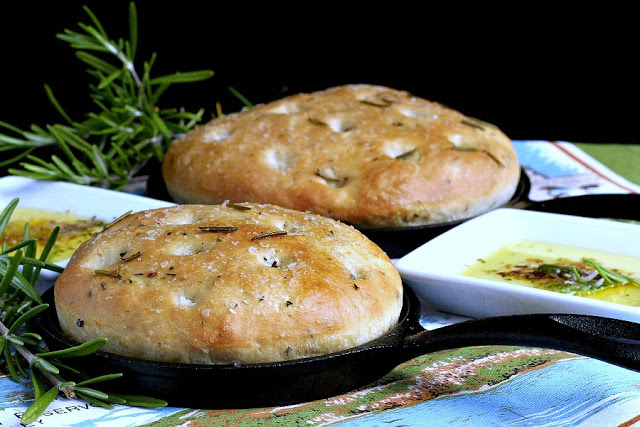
[[620, 206], [611, 340]]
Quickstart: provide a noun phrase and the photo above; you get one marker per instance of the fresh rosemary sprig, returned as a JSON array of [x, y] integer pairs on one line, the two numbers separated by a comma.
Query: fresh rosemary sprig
[[21, 350], [610, 276], [109, 147], [576, 281]]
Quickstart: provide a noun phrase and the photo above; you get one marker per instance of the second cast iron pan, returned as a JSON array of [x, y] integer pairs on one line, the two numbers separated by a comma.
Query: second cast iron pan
[[397, 242], [290, 382]]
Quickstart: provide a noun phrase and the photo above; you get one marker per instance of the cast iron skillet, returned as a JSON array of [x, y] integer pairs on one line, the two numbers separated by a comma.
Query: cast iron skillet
[[284, 383], [399, 241]]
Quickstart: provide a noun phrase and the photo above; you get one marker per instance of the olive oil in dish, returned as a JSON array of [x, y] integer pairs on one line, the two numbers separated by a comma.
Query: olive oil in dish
[[565, 269], [74, 230]]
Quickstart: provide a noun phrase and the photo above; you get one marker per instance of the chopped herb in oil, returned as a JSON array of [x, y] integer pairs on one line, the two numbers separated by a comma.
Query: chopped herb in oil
[[74, 230]]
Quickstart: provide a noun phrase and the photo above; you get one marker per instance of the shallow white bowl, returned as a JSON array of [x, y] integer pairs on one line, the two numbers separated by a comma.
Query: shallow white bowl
[[82, 200], [434, 270]]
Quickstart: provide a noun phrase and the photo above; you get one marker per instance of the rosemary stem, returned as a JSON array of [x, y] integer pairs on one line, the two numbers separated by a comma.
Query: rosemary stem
[[30, 357], [132, 70]]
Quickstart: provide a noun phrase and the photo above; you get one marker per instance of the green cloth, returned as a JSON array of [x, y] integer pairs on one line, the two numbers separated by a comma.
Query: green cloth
[[623, 159]]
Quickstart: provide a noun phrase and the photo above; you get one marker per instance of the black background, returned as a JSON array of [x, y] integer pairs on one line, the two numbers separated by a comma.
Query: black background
[[537, 72]]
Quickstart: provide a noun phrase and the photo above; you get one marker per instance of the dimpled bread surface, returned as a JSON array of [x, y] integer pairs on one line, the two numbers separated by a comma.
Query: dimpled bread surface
[[228, 283], [367, 155]]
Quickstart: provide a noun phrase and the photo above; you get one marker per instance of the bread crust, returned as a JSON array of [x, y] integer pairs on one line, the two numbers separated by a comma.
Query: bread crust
[[282, 285], [368, 155]]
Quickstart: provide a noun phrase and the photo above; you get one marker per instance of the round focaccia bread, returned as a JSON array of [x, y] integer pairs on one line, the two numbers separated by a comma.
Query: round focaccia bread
[[367, 155], [228, 283]]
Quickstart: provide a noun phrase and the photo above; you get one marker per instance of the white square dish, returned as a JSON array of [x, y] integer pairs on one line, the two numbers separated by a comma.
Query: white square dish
[[81, 200], [434, 270]]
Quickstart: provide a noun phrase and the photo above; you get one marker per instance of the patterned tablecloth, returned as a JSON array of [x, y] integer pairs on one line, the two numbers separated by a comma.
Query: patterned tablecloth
[[478, 386]]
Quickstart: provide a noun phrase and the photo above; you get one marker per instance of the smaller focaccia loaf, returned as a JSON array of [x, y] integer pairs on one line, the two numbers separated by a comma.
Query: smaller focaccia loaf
[[367, 155], [228, 283]]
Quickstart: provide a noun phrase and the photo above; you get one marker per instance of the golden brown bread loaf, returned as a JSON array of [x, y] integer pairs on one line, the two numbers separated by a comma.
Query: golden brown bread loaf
[[228, 284], [367, 155]]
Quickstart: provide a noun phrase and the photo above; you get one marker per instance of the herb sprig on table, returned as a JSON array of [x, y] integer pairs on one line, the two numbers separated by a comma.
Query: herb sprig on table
[[21, 350], [109, 147]]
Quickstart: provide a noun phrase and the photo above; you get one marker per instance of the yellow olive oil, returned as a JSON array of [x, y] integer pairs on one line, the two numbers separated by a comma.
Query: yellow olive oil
[[74, 230], [563, 269]]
